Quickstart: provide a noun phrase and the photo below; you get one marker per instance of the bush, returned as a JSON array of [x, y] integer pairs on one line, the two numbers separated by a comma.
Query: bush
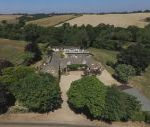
[[37, 92], [147, 117], [119, 106], [6, 99], [137, 55], [28, 57], [124, 72], [14, 74], [4, 64], [74, 67], [88, 95], [138, 116], [110, 63], [35, 51]]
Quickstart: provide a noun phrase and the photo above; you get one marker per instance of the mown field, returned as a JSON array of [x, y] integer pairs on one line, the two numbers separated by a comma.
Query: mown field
[[9, 18], [141, 82], [12, 50], [118, 20], [53, 20]]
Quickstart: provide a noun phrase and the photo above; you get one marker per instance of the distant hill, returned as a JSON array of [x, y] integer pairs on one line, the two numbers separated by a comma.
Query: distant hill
[[9, 18], [53, 20], [118, 20]]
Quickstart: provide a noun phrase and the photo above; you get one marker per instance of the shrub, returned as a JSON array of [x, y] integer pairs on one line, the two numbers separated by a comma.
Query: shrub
[[14, 74], [37, 92], [6, 99], [74, 67], [28, 57], [119, 106], [88, 94], [33, 49], [124, 72], [4, 64], [138, 116], [136, 55], [147, 117], [110, 63]]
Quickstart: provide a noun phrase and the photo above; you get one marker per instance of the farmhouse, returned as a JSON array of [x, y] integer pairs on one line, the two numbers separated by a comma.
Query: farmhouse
[[70, 50], [62, 57]]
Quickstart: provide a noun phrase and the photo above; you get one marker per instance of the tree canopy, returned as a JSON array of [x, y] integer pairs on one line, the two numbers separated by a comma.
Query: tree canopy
[[90, 96], [37, 92]]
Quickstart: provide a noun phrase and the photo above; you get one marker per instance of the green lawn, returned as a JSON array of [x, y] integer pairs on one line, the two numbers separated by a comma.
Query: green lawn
[[143, 82], [103, 56], [12, 50]]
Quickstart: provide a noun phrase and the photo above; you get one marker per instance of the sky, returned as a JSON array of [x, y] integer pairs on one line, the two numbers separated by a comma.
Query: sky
[[61, 6]]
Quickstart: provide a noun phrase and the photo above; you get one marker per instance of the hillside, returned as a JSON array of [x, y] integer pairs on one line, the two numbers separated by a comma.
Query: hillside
[[9, 18], [118, 20], [53, 20], [12, 50]]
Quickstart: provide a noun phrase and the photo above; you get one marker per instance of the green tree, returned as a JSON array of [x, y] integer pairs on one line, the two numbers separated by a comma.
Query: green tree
[[4, 64], [6, 99], [136, 55], [37, 92], [124, 72], [88, 94], [34, 50], [119, 105], [28, 58]]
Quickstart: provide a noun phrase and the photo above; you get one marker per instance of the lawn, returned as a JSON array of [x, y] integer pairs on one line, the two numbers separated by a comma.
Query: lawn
[[142, 82], [103, 56], [53, 20], [12, 50]]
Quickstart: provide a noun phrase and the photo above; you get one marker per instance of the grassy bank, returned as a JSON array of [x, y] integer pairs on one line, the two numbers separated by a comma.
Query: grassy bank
[[142, 82], [12, 50], [103, 56]]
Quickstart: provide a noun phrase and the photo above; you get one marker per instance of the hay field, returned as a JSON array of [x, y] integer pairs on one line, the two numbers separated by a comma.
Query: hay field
[[12, 50], [53, 20], [9, 18], [118, 20]]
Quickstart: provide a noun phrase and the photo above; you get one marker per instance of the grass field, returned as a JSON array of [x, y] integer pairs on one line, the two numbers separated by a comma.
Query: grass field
[[143, 82], [9, 18], [119, 20], [12, 50], [103, 56], [52, 21]]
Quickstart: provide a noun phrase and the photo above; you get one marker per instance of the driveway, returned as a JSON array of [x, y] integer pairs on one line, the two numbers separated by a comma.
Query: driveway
[[107, 78]]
